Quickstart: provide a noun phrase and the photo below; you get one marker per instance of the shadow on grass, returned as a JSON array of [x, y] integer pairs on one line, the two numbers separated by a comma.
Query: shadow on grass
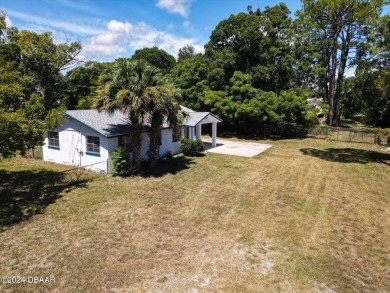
[[170, 166], [347, 155], [26, 193]]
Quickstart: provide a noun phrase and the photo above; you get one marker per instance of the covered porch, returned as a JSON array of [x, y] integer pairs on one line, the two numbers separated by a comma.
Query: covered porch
[[193, 125]]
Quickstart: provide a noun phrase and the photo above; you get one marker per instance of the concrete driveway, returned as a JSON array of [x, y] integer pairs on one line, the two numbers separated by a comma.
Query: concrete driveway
[[235, 148]]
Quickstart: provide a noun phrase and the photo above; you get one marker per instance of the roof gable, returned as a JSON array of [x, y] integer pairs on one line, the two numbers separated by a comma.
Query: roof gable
[[194, 118]]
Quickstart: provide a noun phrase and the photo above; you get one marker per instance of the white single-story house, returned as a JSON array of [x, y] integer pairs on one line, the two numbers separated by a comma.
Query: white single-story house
[[88, 137]]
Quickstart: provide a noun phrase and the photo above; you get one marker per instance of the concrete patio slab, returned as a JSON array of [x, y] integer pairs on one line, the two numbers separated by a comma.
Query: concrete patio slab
[[236, 148]]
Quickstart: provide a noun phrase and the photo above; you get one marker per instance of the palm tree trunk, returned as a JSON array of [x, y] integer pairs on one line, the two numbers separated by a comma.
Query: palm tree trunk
[[154, 147], [136, 140]]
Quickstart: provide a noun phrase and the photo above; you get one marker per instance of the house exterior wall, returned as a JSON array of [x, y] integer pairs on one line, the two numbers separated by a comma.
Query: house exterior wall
[[73, 147], [167, 144]]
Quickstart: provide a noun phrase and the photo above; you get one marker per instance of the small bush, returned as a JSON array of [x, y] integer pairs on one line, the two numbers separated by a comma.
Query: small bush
[[320, 130], [191, 147], [168, 155], [121, 163]]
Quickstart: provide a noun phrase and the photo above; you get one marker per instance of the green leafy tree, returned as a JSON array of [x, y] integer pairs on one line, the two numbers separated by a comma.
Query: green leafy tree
[[31, 84], [44, 60], [223, 105], [248, 110], [157, 57], [3, 27], [188, 51], [82, 84], [190, 75], [258, 44], [12, 136], [337, 27], [367, 94]]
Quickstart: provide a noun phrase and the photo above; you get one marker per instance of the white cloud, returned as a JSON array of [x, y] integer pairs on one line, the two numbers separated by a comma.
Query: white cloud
[[117, 39], [181, 7], [8, 22], [122, 37], [58, 24]]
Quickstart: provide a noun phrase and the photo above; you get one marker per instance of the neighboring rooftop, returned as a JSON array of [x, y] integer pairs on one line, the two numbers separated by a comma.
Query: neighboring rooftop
[[314, 102]]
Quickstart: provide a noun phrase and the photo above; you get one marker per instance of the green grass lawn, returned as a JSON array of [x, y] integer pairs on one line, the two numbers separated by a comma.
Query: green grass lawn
[[304, 216], [353, 123]]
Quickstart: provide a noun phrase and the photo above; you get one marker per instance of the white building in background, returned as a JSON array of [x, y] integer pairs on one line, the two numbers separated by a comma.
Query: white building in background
[[315, 103], [88, 137]]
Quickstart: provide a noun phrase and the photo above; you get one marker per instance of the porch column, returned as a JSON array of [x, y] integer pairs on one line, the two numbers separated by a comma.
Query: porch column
[[198, 131], [192, 134], [214, 134], [183, 131]]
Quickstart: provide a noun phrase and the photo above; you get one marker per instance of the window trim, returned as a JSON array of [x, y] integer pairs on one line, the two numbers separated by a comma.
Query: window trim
[[89, 152], [92, 154], [49, 140]]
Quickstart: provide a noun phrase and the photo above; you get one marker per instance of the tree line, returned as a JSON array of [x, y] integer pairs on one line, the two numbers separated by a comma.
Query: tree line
[[256, 72]]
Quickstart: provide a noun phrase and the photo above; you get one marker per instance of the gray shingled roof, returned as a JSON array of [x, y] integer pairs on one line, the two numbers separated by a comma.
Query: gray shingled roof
[[195, 118], [117, 123], [106, 124]]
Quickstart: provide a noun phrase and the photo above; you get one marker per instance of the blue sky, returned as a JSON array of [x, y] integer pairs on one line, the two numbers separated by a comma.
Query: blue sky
[[116, 28]]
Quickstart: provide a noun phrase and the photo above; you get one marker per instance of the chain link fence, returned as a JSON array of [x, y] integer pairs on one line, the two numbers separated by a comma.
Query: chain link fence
[[372, 136]]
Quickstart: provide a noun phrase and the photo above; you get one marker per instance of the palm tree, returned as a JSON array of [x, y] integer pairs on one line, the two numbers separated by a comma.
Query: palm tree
[[125, 92], [162, 108]]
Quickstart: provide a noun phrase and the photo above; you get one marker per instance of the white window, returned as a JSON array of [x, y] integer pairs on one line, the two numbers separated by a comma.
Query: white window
[[93, 145], [54, 140]]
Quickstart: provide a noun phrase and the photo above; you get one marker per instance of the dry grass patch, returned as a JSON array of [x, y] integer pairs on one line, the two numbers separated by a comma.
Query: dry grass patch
[[303, 216]]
